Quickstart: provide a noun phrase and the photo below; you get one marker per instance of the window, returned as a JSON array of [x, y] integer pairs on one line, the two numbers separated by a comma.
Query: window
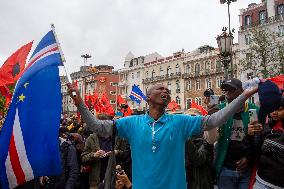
[[280, 9], [188, 85], [147, 74], [169, 86], [198, 100], [188, 103], [112, 102], [132, 75], [262, 16], [281, 30], [197, 84], [178, 84], [197, 69], [248, 57], [248, 20], [177, 100], [187, 69], [153, 73], [112, 92], [207, 65], [177, 69], [169, 71], [138, 74], [248, 39], [111, 84], [218, 66], [208, 83], [161, 71], [250, 75], [219, 81]]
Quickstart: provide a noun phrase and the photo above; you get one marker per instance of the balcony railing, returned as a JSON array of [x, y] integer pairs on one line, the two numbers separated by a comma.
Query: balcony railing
[[267, 20], [162, 78]]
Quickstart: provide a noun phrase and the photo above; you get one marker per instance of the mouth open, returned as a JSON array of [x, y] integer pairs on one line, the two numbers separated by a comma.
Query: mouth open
[[164, 97]]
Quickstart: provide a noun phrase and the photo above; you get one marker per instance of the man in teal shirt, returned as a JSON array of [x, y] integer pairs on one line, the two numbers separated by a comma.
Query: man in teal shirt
[[157, 139]]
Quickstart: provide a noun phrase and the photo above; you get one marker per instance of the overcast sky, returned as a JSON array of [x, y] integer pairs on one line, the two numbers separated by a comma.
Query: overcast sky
[[109, 29]]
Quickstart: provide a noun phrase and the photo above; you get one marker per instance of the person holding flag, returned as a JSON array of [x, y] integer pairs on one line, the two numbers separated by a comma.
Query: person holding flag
[[157, 139]]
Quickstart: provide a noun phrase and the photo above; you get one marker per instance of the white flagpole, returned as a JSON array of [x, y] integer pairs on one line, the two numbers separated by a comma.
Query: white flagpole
[[62, 57]]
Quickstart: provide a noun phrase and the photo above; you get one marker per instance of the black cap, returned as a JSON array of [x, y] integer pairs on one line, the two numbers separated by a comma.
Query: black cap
[[208, 92], [232, 82], [270, 97]]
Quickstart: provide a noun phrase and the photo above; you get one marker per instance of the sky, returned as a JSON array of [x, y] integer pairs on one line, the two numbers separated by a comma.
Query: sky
[[109, 29]]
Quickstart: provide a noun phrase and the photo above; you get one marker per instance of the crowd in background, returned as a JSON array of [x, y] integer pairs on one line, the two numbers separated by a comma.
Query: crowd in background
[[240, 154]]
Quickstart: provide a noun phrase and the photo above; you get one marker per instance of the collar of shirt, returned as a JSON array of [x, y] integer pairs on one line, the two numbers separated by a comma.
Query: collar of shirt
[[163, 119]]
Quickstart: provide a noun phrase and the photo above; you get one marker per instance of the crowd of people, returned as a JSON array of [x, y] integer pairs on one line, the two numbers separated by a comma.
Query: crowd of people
[[225, 149]]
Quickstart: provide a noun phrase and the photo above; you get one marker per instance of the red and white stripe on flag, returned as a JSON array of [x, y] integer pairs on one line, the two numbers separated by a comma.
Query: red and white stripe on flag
[[136, 95], [18, 168]]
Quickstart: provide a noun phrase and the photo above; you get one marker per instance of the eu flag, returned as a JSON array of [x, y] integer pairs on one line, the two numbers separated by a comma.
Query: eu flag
[[29, 137]]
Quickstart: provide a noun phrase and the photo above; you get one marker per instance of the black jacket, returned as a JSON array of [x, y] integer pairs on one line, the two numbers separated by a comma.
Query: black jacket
[[70, 173]]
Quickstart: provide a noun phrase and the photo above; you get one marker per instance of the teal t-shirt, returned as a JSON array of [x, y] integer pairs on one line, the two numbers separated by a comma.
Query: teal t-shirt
[[158, 157]]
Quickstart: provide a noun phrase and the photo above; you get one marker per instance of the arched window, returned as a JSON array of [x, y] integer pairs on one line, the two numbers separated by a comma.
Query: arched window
[[218, 65], [153, 73], [177, 69], [197, 84], [187, 69], [280, 9], [132, 75], [169, 86], [147, 74], [178, 84], [177, 100], [197, 68], [208, 83], [169, 70], [161, 71]]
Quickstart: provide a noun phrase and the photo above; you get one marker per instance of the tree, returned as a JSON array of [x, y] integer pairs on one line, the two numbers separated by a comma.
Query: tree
[[265, 55]]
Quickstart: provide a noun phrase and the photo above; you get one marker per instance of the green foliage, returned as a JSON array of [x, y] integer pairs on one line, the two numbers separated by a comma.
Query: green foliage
[[265, 56]]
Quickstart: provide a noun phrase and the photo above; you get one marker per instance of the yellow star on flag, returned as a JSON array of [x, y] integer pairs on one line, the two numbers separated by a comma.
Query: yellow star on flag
[[26, 84], [21, 97]]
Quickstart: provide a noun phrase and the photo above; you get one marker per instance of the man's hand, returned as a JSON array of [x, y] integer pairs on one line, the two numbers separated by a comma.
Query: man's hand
[[249, 92], [72, 88], [242, 163], [254, 128], [212, 109], [124, 179], [99, 154]]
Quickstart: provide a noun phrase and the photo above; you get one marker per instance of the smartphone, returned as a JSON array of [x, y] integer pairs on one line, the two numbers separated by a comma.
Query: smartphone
[[119, 171], [252, 115], [214, 99]]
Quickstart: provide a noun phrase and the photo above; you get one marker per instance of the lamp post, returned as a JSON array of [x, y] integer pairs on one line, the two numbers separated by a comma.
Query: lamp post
[[225, 43], [86, 57]]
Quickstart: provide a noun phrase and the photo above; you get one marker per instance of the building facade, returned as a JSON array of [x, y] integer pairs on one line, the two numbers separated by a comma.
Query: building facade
[[267, 15], [187, 75], [99, 79]]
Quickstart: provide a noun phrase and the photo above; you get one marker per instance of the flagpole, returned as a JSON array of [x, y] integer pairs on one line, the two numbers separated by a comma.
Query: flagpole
[[62, 57]]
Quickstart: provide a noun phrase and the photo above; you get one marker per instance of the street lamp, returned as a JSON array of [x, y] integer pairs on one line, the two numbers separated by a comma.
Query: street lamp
[[86, 57], [225, 43]]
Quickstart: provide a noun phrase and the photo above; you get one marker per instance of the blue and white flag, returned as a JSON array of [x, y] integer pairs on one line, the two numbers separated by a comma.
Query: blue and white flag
[[29, 137], [137, 95]]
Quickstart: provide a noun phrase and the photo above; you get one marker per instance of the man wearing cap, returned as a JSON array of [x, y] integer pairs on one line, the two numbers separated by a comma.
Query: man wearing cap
[[157, 139], [234, 156]]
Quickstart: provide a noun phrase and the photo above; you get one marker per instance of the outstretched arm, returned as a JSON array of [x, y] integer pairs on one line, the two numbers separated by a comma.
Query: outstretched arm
[[219, 118], [101, 127]]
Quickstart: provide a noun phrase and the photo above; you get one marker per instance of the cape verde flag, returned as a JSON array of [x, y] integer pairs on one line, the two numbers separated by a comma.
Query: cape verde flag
[[29, 137], [137, 95]]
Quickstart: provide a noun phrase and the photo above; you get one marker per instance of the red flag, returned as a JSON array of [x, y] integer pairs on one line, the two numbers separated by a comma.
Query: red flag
[[120, 100], [4, 90], [173, 106], [279, 81], [195, 105], [14, 66], [126, 112]]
